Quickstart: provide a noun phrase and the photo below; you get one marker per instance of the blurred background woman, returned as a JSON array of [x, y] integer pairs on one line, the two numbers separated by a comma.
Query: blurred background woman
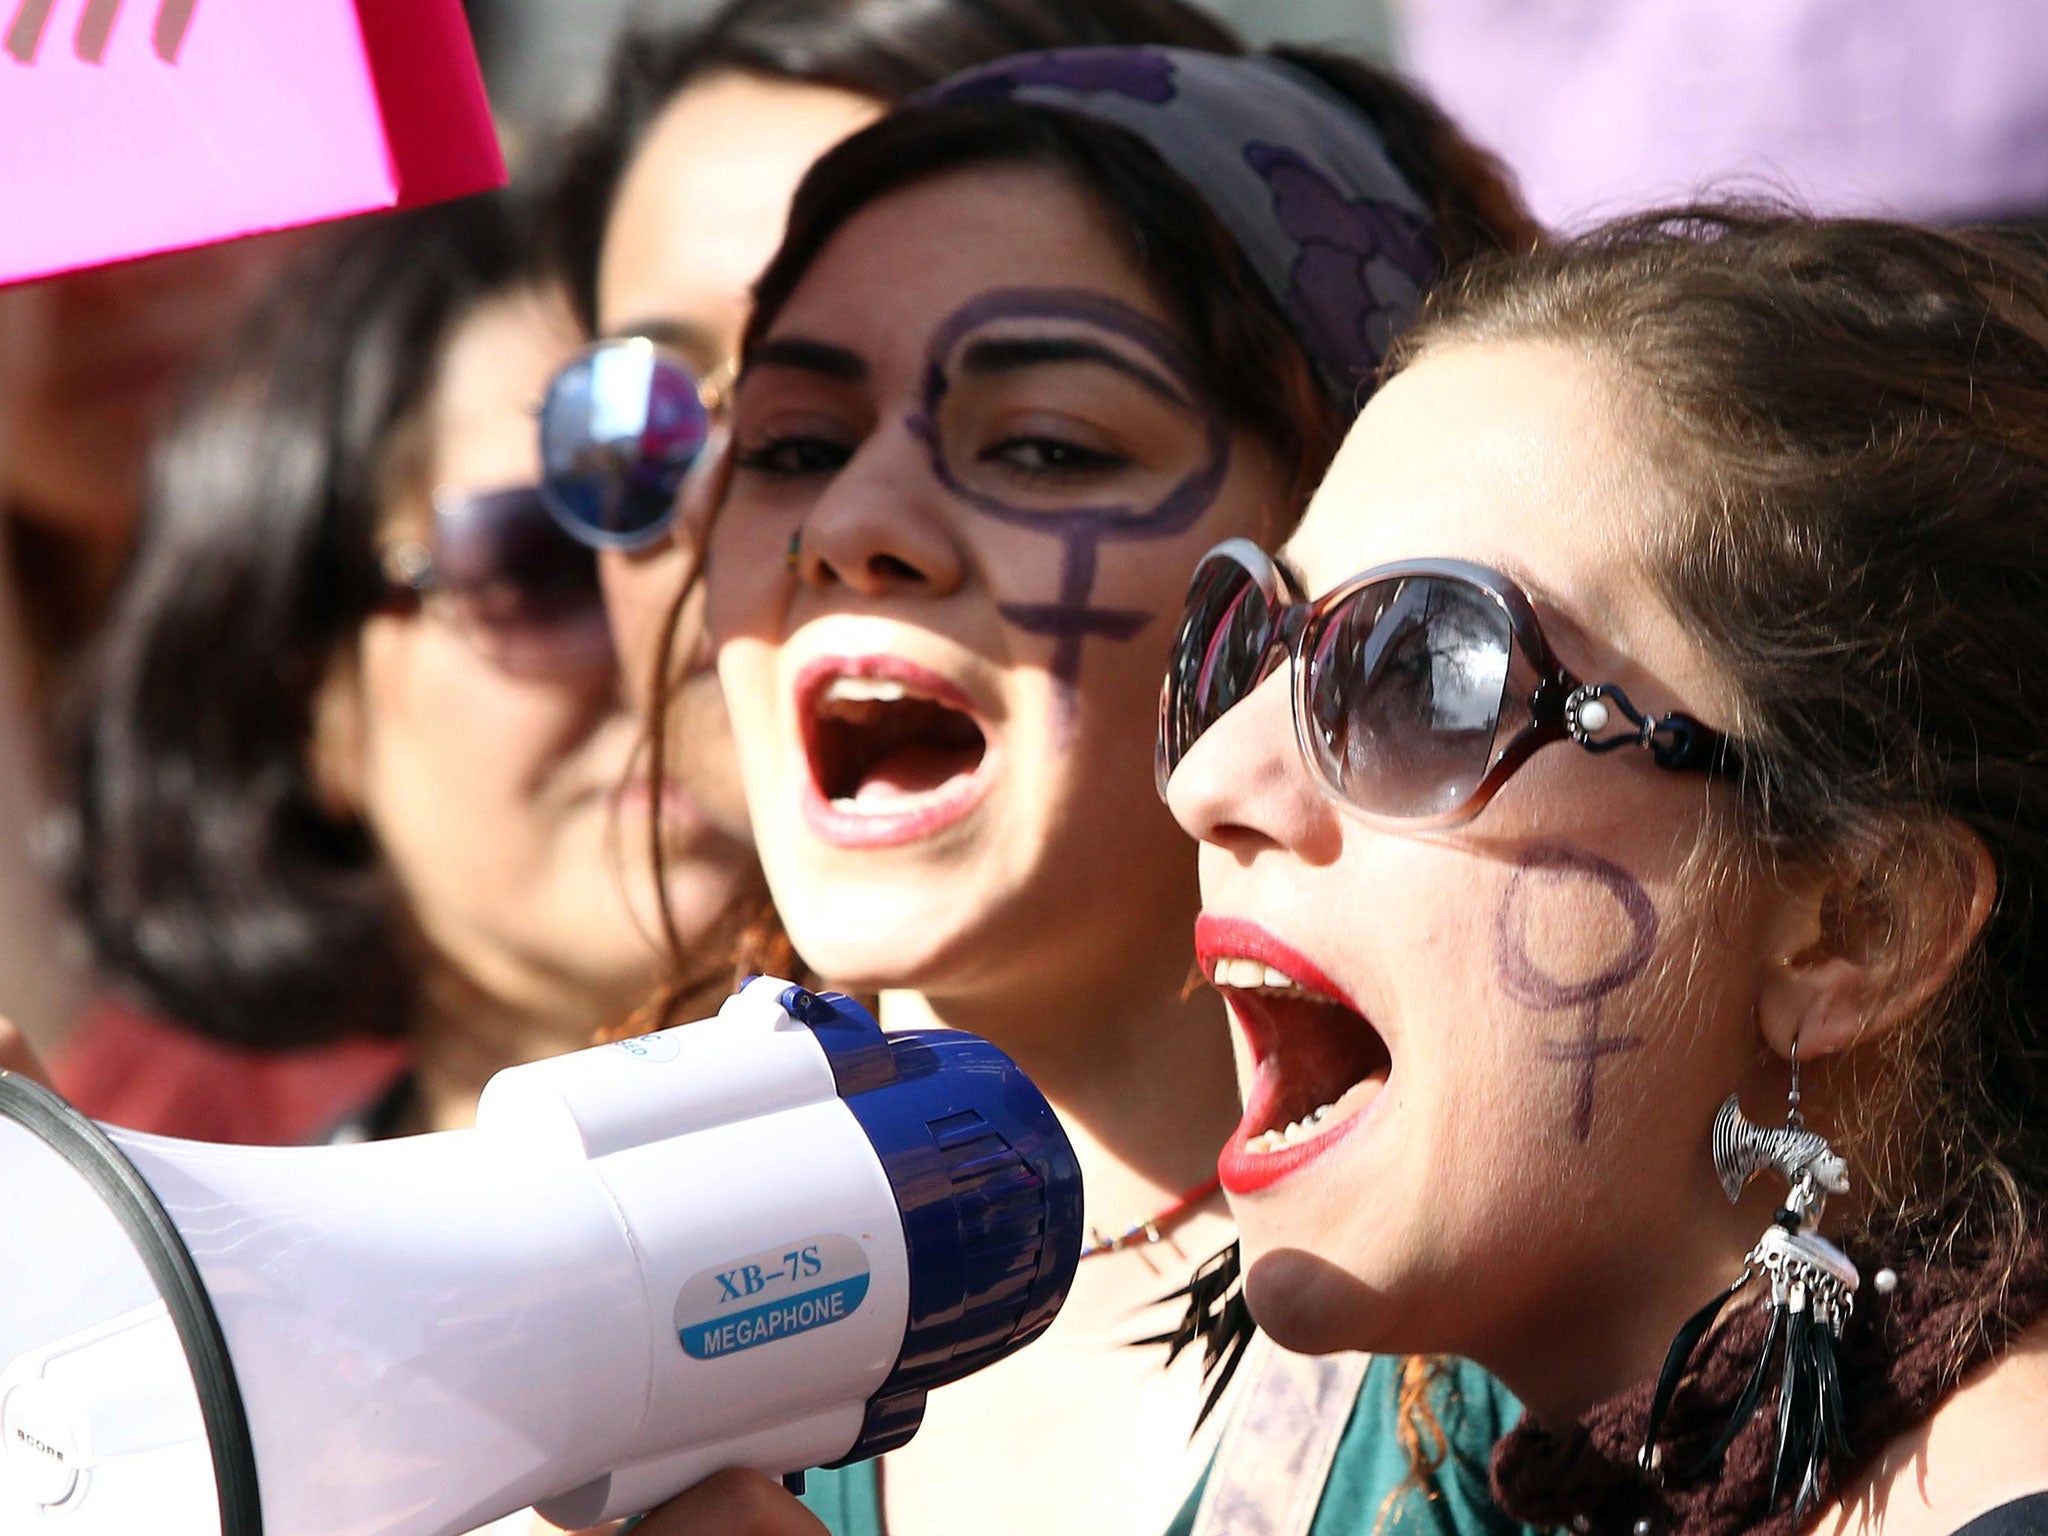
[[353, 761], [91, 364]]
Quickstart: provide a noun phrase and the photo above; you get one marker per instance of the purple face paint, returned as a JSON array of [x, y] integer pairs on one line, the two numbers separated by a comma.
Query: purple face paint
[[1070, 618], [1522, 976]]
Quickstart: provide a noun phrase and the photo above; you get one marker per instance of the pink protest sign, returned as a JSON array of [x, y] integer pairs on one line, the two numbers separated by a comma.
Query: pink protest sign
[[133, 126]]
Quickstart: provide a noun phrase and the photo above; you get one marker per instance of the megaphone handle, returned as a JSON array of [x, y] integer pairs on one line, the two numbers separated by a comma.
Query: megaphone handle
[[642, 1485]]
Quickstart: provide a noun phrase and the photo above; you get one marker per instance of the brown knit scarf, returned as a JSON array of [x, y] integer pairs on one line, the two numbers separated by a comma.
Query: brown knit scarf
[[1898, 1361]]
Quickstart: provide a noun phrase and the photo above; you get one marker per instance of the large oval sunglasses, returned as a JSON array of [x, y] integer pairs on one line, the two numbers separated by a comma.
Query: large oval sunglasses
[[1418, 687], [497, 563]]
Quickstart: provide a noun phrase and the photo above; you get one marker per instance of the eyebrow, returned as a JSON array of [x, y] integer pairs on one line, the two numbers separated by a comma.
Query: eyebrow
[[832, 361], [1008, 354]]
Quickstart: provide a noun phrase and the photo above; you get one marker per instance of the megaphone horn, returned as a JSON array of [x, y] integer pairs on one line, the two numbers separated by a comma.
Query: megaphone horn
[[757, 1240]]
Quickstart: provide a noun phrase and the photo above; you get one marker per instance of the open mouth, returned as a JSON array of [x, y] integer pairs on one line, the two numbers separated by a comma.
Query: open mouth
[[895, 752], [1318, 1062]]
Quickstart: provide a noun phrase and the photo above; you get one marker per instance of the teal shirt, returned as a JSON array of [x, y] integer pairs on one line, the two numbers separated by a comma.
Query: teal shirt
[[1474, 1409]]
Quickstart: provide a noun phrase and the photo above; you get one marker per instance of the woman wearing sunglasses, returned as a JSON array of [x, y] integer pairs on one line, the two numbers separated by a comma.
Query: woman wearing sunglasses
[[354, 759], [1632, 765], [956, 517]]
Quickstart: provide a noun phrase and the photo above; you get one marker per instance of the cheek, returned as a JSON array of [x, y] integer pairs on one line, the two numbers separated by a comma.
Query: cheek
[[639, 596], [746, 674], [456, 743], [1115, 599], [1568, 991], [747, 579], [1150, 575], [1506, 973]]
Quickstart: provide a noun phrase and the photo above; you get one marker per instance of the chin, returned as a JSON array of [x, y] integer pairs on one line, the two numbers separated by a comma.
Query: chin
[[1312, 1306], [870, 939]]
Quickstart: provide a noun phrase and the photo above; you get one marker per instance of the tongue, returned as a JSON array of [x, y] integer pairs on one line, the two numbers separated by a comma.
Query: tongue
[[911, 770], [1320, 1051]]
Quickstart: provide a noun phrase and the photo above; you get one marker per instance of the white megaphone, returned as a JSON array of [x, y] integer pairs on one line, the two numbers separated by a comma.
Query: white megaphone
[[752, 1241]]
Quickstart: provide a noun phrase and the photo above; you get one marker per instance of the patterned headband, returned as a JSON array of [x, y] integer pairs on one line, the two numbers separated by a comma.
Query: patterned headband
[[1297, 175]]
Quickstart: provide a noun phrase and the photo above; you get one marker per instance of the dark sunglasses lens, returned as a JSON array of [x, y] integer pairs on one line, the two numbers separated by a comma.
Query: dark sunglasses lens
[[619, 431], [1403, 694], [1218, 656], [528, 592]]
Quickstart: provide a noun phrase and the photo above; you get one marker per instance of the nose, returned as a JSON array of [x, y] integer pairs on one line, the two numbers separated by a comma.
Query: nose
[[884, 526], [1244, 787]]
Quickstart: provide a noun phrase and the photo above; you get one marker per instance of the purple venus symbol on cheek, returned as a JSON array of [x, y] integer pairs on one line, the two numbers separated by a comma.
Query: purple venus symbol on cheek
[[1542, 873], [1071, 618]]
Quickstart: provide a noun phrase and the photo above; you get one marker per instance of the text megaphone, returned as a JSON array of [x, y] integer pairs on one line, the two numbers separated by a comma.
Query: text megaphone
[[755, 1241]]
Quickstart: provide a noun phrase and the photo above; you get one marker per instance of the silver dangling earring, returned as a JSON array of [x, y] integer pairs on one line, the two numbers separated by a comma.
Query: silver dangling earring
[[1812, 1294]]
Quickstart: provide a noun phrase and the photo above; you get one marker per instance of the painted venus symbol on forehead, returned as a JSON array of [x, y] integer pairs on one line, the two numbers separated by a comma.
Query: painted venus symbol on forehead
[[1071, 618], [1550, 868]]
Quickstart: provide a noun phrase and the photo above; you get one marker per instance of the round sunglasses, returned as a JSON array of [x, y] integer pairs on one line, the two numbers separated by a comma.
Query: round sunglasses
[[1418, 687], [621, 426], [524, 595]]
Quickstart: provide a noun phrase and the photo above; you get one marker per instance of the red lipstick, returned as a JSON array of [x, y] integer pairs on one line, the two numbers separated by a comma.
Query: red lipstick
[[1262, 1021], [1218, 938]]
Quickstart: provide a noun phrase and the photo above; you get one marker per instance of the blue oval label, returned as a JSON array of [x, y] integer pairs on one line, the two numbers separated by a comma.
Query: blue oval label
[[775, 1294]]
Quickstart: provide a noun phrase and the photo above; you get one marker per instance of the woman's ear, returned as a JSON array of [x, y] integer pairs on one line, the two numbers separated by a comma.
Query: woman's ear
[[337, 744], [1865, 943]]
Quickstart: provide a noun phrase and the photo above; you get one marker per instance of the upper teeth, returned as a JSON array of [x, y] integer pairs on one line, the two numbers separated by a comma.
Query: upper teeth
[[1252, 973], [866, 690]]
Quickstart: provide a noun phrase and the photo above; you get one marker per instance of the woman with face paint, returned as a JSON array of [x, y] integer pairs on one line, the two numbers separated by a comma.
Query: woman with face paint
[[727, 114], [1757, 504], [673, 195], [956, 516]]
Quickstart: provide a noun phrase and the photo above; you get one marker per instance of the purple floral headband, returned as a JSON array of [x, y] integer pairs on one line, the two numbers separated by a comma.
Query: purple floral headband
[[1297, 175]]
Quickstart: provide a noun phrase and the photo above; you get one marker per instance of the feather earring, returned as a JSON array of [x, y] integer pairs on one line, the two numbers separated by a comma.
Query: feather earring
[[1218, 1316], [1812, 1291]]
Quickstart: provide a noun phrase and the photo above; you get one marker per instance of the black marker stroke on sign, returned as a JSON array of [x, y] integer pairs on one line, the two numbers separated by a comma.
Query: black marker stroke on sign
[[95, 26]]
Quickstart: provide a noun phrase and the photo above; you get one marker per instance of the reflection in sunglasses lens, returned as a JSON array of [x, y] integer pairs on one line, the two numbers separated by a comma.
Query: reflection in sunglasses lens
[[1404, 689], [1216, 661], [619, 431]]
